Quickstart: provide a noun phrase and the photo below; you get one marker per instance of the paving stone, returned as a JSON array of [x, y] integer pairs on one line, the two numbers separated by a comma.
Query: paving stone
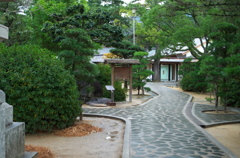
[[214, 157], [193, 156], [173, 156], [186, 152]]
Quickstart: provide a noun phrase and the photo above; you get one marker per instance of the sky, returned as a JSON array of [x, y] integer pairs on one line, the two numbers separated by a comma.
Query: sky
[[127, 1]]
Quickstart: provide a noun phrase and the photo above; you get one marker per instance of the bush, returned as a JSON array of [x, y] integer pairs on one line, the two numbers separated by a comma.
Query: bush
[[44, 95], [119, 93], [104, 76], [193, 82]]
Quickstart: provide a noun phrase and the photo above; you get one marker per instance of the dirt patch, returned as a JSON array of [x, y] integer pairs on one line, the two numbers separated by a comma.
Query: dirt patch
[[104, 144], [77, 130], [228, 135]]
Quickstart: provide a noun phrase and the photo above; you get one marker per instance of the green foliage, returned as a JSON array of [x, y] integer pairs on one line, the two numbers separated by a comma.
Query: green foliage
[[140, 73], [16, 23], [104, 76], [119, 93], [38, 14], [221, 67], [209, 99], [80, 32], [44, 95], [232, 94], [192, 80], [125, 49]]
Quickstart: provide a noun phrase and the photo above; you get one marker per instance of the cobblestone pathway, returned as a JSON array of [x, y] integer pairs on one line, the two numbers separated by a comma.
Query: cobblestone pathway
[[160, 130]]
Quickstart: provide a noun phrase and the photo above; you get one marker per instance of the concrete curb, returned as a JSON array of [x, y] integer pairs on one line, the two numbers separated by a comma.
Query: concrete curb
[[210, 137], [127, 132]]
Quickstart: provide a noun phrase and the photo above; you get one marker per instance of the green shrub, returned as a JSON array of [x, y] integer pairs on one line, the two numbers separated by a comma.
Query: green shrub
[[44, 95], [119, 93], [193, 82], [104, 76]]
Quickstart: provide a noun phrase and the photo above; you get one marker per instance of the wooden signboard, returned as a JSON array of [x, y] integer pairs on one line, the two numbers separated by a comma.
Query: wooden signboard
[[122, 73]]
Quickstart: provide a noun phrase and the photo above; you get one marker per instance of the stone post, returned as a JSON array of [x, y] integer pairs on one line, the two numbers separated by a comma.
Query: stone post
[[2, 124]]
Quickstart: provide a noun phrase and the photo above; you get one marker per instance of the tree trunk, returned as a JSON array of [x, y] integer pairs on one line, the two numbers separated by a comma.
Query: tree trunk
[[156, 68], [226, 96], [143, 91], [216, 102]]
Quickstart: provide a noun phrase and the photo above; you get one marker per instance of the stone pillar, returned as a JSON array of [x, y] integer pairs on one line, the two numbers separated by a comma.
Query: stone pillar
[[2, 125]]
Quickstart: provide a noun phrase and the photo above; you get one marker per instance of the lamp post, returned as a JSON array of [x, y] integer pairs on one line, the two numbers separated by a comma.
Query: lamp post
[[134, 14]]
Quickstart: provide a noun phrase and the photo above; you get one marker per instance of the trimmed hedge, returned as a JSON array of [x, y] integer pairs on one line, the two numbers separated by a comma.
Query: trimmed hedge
[[44, 95]]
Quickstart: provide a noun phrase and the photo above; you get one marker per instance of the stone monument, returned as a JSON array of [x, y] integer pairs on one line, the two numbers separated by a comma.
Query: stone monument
[[12, 134]]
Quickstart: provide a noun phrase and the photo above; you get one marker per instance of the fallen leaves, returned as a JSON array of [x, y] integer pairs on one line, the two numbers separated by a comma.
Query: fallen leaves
[[78, 130], [43, 152]]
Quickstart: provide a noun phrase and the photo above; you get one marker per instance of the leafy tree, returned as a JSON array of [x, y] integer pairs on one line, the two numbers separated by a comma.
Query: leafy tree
[[181, 26], [42, 92], [224, 42], [125, 49], [149, 37], [79, 33], [104, 77], [12, 17], [182, 22], [140, 73], [223, 8], [38, 14]]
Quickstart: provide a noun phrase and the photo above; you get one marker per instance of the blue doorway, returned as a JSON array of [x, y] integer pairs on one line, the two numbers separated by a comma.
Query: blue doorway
[[164, 72]]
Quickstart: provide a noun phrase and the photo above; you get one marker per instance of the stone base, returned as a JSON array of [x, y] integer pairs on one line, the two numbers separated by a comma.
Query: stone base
[[111, 104], [15, 140], [2, 132]]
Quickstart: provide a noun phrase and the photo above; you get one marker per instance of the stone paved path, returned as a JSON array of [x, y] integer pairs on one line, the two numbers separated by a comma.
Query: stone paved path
[[160, 130]]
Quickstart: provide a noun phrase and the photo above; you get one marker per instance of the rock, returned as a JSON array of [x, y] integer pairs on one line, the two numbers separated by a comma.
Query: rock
[[98, 101]]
